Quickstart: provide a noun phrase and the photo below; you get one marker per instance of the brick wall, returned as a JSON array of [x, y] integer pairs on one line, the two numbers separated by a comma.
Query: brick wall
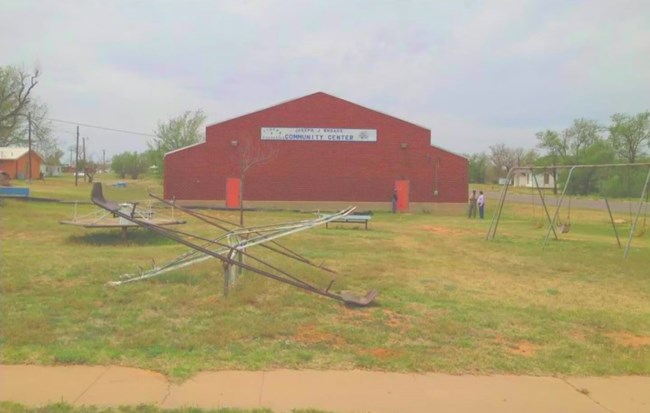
[[318, 171]]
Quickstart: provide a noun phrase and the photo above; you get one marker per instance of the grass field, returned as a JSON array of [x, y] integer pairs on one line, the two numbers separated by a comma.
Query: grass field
[[449, 300]]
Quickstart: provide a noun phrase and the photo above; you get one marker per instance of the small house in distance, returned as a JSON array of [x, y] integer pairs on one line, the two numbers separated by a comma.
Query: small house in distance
[[51, 170], [16, 161], [527, 179]]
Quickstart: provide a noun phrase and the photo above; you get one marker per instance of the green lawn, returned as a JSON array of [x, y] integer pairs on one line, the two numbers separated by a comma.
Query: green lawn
[[449, 300], [63, 188]]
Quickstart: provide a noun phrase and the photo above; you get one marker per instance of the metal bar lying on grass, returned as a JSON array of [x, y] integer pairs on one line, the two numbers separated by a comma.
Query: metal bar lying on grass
[[281, 249], [227, 253]]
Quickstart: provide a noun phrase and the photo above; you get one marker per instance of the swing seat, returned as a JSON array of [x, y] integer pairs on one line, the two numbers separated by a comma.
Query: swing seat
[[564, 228]]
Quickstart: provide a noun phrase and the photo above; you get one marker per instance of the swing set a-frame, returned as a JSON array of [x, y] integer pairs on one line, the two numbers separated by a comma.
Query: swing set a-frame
[[555, 224]]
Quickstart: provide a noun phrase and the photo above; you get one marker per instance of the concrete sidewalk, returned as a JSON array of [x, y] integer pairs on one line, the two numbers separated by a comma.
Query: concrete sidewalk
[[335, 391]]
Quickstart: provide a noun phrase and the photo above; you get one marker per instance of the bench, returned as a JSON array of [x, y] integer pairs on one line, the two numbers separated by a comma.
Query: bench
[[351, 219], [15, 192]]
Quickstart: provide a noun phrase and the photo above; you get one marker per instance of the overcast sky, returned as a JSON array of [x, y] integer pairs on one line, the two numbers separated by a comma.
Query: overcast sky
[[475, 73]]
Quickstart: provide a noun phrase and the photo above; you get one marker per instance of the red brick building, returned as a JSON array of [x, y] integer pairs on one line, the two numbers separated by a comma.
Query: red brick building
[[16, 162], [321, 149]]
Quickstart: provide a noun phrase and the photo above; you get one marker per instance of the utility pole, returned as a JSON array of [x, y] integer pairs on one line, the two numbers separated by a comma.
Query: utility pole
[[84, 153], [103, 160], [29, 140], [76, 161]]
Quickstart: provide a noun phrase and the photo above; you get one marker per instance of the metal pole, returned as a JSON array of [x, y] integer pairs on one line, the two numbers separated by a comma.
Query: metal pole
[[611, 218], [76, 161], [548, 216], [638, 212], [29, 140], [492, 231], [84, 155], [557, 209]]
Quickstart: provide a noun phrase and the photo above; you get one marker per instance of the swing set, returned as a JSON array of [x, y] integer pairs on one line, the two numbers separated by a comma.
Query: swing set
[[555, 224]]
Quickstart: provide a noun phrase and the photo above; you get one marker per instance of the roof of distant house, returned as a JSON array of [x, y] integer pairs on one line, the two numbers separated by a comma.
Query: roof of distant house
[[9, 153]]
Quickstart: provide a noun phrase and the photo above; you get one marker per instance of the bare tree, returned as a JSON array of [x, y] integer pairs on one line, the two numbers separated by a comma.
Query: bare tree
[[90, 169], [250, 154], [503, 158], [524, 157], [15, 88], [18, 106]]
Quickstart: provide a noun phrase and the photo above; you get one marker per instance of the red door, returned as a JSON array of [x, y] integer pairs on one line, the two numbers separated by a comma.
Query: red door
[[233, 186], [402, 188]]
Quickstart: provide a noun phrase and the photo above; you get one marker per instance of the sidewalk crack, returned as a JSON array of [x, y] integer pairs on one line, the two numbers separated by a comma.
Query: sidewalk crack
[[169, 391], [259, 401], [586, 393], [91, 385]]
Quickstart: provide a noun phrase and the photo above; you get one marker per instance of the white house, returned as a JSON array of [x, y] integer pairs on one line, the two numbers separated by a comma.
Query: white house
[[51, 170], [527, 179]]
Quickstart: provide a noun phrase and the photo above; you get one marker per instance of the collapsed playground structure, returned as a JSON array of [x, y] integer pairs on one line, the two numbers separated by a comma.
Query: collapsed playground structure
[[231, 248]]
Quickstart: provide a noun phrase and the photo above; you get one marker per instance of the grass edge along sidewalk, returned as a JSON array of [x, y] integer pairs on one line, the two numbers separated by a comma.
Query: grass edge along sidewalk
[[339, 391]]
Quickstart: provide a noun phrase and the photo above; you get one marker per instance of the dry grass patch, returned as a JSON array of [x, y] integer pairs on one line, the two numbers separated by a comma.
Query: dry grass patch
[[309, 334], [522, 348], [629, 340]]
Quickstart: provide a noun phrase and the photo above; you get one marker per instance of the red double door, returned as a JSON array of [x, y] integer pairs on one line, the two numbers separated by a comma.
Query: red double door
[[233, 188], [402, 190]]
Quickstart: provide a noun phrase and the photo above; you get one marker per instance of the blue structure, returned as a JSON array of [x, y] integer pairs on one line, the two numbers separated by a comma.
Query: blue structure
[[12, 191]]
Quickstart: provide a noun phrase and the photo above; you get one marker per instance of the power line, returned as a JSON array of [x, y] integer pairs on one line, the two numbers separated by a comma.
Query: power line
[[68, 132], [102, 127]]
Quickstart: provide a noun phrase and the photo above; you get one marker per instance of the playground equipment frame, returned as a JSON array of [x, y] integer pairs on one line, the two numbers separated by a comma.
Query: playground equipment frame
[[496, 217]]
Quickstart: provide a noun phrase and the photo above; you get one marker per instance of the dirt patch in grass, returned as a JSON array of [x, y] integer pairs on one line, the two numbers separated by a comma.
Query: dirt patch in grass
[[384, 353], [395, 320], [578, 335], [308, 334], [442, 230], [355, 316], [522, 348], [389, 318], [629, 340]]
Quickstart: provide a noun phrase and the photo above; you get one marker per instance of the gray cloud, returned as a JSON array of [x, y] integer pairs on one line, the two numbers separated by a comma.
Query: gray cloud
[[475, 73]]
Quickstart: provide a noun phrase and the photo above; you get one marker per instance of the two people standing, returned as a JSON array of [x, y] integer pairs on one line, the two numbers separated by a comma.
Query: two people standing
[[477, 203], [481, 205]]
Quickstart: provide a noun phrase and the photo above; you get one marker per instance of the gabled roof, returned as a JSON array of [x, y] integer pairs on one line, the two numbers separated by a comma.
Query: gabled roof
[[183, 148], [13, 153], [460, 155], [317, 94]]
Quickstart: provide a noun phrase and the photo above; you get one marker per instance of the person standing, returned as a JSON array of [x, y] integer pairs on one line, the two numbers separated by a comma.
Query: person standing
[[394, 201], [472, 205], [481, 204]]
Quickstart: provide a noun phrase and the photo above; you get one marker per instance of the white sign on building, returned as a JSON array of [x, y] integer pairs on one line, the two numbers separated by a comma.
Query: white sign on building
[[319, 134]]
